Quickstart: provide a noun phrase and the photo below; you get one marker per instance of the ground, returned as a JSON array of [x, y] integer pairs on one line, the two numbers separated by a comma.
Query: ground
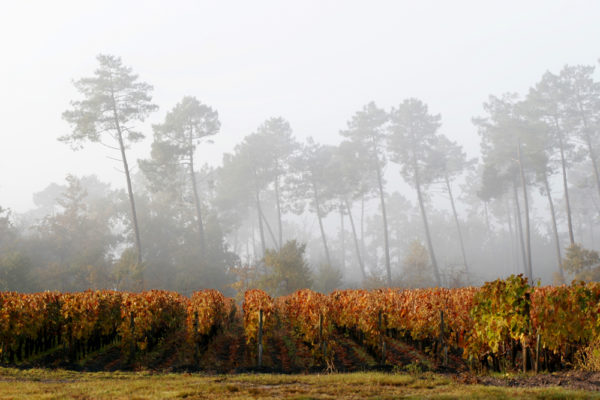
[[58, 384]]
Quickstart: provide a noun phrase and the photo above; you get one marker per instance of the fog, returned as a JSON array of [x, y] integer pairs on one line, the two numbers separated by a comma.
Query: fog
[[296, 75]]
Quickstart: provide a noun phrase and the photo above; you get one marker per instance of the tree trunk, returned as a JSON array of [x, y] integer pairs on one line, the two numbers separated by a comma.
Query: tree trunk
[[278, 202], [385, 227], [513, 256], [434, 264], [526, 206], [271, 234], [254, 250], [554, 228], [566, 189], [460, 238], [588, 142], [138, 242], [520, 226], [342, 237], [261, 230], [358, 257], [318, 211], [362, 231], [487, 218], [580, 228], [248, 249], [198, 207], [594, 163]]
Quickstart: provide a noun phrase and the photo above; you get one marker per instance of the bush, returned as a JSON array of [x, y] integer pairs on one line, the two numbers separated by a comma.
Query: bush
[[286, 270]]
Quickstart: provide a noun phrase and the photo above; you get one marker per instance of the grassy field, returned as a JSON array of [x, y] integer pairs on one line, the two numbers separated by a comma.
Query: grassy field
[[58, 384]]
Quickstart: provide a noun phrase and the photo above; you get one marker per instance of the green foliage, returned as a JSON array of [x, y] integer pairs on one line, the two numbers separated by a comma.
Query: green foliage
[[72, 246], [417, 271], [415, 367], [184, 127], [314, 178], [112, 99], [163, 171], [7, 231], [196, 271], [506, 126], [263, 157], [128, 274], [583, 264], [352, 172], [500, 314], [245, 276], [275, 144], [566, 316], [366, 131], [15, 267], [186, 124], [286, 270], [412, 140], [367, 128], [15, 271]]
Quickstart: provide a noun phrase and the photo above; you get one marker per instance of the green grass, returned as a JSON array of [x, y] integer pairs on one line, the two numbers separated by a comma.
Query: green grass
[[59, 384]]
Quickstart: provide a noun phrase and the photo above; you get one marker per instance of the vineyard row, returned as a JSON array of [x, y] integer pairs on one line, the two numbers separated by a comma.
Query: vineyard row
[[503, 324]]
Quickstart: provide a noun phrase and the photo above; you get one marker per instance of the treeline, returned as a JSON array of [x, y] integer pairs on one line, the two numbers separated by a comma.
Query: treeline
[[528, 205]]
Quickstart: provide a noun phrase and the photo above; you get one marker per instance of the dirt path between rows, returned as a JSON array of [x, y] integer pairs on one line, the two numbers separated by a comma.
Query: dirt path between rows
[[570, 379]]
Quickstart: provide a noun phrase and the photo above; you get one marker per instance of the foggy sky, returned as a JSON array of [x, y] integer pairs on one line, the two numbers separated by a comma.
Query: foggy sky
[[312, 62]]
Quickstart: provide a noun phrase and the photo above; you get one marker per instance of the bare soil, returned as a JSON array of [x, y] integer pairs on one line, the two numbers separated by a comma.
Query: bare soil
[[570, 379]]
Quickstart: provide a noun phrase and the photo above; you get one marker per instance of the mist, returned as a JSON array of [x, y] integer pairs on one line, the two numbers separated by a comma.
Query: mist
[[272, 145]]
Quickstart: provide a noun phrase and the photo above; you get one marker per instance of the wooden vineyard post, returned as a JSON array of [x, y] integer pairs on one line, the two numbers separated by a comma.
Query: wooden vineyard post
[[537, 353], [382, 338], [195, 338], [524, 355], [260, 336], [443, 347], [132, 344]]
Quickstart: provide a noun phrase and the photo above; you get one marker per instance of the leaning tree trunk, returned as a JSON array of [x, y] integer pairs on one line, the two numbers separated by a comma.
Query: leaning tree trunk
[[520, 226], [201, 240], [342, 237], [248, 250], [563, 164], [434, 264], [460, 237], [354, 236], [514, 260], [138, 242], [318, 211], [554, 228], [261, 229], [594, 163], [588, 142], [526, 206], [253, 232], [278, 202], [363, 249], [271, 234], [386, 243]]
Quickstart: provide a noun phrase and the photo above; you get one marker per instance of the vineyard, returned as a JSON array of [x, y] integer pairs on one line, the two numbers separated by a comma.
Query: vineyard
[[506, 325]]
